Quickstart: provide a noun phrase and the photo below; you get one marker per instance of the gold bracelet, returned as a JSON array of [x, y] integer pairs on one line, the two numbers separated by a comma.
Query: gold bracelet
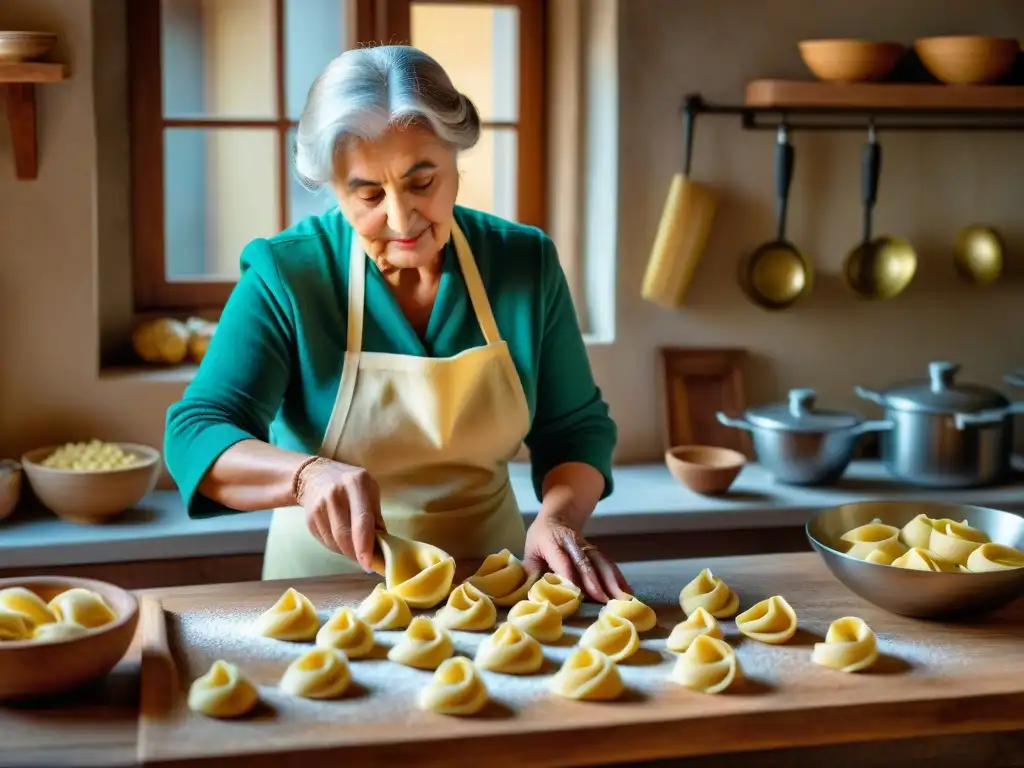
[[297, 477]]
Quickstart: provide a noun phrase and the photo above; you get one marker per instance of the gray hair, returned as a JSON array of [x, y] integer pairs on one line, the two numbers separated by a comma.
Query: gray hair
[[364, 92]]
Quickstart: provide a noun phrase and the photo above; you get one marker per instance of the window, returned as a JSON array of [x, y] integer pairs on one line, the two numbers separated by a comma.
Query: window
[[217, 88]]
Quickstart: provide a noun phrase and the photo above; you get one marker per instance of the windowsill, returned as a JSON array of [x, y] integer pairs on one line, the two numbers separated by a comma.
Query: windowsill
[[647, 500]]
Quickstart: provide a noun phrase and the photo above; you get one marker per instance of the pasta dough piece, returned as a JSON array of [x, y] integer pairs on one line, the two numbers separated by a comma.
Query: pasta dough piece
[[994, 557], [564, 596], [28, 603], [923, 560], [613, 635], [455, 689], [345, 631], [82, 606], [222, 692], [588, 675], [319, 673], [292, 617], [14, 626], [419, 573], [632, 610], [57, 631], [468, 609], [384, 610], [917, 533], [709, 665], [511, 651], [850, 646], [956, 541], [771, 621], [539, 620], [709, 592], [424, 645], [864, 539], [503, 578], [700, 622], [886, 552]]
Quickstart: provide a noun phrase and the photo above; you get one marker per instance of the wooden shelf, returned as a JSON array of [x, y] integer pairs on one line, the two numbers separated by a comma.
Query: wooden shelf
[[18, 82], [810, 94]]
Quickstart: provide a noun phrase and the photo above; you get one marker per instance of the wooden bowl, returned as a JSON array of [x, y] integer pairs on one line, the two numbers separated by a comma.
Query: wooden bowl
[[850, 60], [10, 487], [91, 497], [704, 469], [968, 59], [31, 668], [16, 47]]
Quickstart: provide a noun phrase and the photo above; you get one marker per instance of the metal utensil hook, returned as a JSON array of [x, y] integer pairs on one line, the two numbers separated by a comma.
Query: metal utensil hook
[[690, 109]]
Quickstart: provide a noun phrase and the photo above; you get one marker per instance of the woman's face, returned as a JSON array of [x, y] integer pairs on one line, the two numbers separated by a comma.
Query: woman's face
[[398, 192]]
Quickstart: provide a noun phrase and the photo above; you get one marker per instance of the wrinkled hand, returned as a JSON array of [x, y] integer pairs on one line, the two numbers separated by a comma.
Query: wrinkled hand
[[553, 545], [342, 504]]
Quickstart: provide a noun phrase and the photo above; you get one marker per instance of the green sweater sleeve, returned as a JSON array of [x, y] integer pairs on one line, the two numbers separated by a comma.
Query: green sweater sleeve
[[239, 385], [571, 420]]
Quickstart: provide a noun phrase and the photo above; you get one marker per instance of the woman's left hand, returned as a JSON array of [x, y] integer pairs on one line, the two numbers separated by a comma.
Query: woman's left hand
[[554, 545]]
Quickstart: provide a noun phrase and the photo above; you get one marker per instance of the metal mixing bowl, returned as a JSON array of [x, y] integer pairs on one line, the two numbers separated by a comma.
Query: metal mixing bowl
[[919, 594]]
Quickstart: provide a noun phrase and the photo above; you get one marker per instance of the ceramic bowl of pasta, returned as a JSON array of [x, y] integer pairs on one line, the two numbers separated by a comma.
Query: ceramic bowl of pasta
[[90, 482], [927, 560], [59, 633]]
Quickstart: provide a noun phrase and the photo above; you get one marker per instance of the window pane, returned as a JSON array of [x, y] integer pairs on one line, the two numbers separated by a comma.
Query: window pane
[[220, 192], [218, 58], [488, 173], [478, 45], [302, 202], [315, 31]]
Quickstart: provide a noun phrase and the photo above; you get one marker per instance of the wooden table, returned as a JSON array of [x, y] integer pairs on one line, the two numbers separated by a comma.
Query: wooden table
[[979, 722]]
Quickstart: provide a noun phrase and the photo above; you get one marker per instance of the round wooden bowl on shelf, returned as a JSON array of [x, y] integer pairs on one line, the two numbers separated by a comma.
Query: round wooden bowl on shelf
[[850, 60], [10, 487], [968, 59], [17, 47], [36, 668], [91, 496], [704, 469]]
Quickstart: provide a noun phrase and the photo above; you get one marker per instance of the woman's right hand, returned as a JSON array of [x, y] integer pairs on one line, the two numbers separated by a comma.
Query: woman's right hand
[[342, 505]]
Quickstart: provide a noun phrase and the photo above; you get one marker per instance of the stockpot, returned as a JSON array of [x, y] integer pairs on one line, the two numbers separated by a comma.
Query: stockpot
[[946, 434], [800, 444]]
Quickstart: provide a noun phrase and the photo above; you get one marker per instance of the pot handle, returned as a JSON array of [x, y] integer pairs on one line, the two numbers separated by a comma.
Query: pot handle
[[873, 426], [869, 394], [1015, 380], [729, 421], [989, 418]]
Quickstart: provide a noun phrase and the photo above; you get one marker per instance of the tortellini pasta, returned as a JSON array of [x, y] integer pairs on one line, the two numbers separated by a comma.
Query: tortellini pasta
[[865, 539], [292, 617], [27, 603], [384, 610], [954, 542], [588, 675], [503, 578], [709, 665], [850, 646], [511, 651], [455, 689], [539, 620], [223, 692], [771, 621], [564, 596], [345, 631], [424, 645], [468, 609], [698, 623], [57, 631], [922, 560], [994, 557], [613, 635], [94, 456], [319, 673], [82, 606], [709, 592], [637, 613], [14, 626], [419, 573]]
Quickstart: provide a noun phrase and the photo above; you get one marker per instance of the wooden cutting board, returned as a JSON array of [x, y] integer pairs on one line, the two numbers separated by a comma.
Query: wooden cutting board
[[933, 679]]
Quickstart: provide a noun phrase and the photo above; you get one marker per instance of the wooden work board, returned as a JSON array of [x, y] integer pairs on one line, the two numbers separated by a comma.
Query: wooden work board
[[932, 678]]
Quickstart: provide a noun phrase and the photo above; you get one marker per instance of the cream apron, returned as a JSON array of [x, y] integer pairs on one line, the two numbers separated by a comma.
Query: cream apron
[[435, 433]]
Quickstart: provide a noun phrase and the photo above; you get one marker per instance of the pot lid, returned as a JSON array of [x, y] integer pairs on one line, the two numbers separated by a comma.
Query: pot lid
[[941, 393], [800, 413]]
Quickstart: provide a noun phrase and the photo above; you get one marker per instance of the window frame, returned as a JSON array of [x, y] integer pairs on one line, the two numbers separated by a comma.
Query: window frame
[[374, 20]]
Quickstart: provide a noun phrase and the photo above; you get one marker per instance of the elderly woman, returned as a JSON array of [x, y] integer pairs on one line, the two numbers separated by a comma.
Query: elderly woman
[[377, 367]]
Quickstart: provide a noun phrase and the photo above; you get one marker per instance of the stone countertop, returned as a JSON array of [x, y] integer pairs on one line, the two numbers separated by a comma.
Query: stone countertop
[[647, 499]]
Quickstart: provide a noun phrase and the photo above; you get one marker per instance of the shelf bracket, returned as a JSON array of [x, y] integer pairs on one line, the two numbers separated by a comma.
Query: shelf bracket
[[20, 102]]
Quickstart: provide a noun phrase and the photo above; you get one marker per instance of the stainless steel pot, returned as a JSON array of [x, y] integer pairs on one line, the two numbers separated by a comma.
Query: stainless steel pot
[[799, 444], [945, 434]]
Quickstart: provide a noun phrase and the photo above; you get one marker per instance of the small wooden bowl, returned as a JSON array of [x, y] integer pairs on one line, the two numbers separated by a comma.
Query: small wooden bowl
[[704, 469], [32, 668], [17, 47], [968, 59], [91, 497], [850, 60], [10, 487]]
